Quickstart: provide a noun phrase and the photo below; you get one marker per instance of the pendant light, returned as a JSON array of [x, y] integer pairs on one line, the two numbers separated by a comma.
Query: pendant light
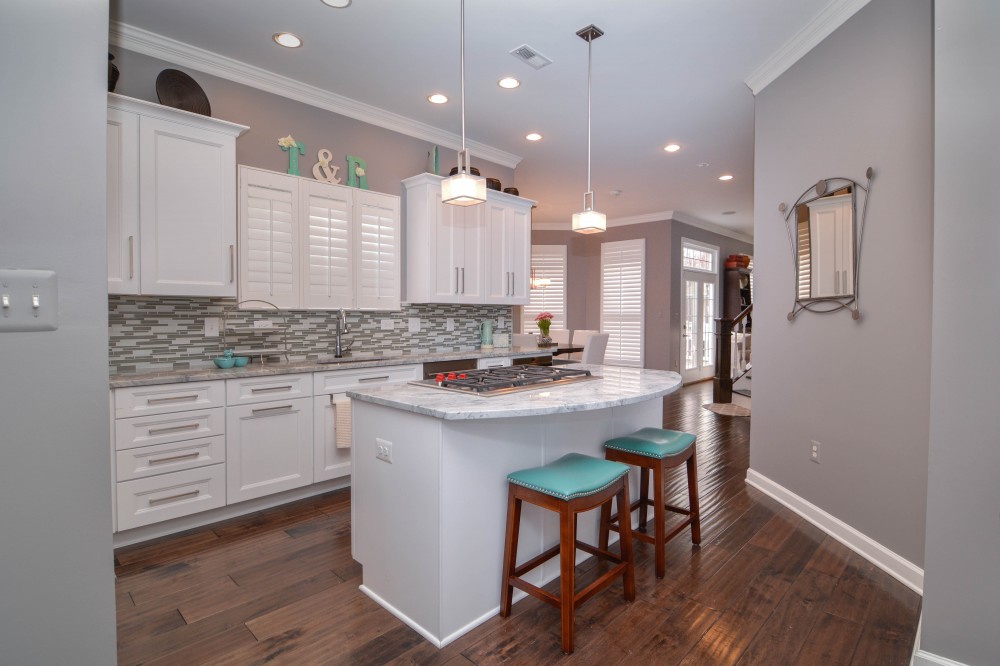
[[589, 221], [463, 189]]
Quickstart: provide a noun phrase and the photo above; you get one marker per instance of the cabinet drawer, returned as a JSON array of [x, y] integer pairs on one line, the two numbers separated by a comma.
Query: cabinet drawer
[[162, 458], [167, 398], [336, 381], [146, 430], [166, 496], [262, 389], [502, 362]]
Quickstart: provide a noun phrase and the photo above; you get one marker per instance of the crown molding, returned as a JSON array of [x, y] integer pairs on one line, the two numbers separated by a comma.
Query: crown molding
[[832, 17], [185, 55], [661, 216]]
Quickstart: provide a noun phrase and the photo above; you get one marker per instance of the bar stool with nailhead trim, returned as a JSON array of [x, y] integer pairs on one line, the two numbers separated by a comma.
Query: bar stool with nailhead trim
[[657, 449], [570, 485]]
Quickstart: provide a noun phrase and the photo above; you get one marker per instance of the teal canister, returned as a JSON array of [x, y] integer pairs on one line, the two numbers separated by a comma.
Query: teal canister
[[486, 334]]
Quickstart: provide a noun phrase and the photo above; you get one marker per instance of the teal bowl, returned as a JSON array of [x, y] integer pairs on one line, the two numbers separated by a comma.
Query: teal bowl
[[224, 362], [241, 360]]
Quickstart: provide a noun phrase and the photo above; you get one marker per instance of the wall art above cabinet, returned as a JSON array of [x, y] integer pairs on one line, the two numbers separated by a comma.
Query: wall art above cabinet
[[308, 245], [466, 254], [171, 205]]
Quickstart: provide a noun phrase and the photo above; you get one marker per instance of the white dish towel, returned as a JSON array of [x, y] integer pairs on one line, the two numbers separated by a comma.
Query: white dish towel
[[342, 420]]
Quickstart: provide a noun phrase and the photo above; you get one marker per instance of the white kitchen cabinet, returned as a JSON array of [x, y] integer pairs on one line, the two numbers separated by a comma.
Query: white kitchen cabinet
[[269, 448], [451, 253], [165, 496], [831, 232], [171, 209], [305, 244], [508, 255]]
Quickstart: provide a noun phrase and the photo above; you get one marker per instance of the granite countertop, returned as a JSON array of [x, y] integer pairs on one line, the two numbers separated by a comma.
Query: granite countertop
[[359, 360], [618, 386]]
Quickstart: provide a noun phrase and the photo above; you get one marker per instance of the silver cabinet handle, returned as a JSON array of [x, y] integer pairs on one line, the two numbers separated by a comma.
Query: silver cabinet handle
[[267, 410], [268, 389], [173, 498], [383, 378], [456, 279], [176, 398], [131, 257], [182, 428], [463, 279], [232, 263], [183, 456]]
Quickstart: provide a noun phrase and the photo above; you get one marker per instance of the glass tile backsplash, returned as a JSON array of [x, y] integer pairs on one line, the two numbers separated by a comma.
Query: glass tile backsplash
[[160, 333]]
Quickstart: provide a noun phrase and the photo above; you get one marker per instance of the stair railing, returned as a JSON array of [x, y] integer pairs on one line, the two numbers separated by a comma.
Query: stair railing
[[732, 353]]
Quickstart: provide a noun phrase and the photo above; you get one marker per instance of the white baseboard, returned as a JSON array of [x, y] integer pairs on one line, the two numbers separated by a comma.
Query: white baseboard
[[922, 658], [896, 566]]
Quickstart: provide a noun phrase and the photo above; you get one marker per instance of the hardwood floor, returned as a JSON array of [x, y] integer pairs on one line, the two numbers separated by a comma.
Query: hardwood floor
[[765, 587]]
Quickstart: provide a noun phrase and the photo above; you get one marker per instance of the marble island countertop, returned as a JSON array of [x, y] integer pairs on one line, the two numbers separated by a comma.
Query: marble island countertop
[[320, 364], [618, 386]]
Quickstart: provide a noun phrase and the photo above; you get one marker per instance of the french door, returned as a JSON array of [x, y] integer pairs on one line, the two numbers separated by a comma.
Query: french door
[[700, 306]]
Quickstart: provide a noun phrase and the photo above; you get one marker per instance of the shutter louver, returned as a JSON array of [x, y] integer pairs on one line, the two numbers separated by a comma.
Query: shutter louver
[[270, 246], [622, 311], [329, 279]]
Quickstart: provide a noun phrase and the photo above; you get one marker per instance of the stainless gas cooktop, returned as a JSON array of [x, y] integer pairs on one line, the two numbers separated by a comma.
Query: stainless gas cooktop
[[500, 381]]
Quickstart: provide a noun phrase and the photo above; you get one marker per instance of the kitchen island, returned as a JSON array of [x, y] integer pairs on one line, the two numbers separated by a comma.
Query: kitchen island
[[429, 490]]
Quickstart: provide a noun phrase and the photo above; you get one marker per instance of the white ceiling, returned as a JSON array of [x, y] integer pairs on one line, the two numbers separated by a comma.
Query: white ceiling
[[665, 71]]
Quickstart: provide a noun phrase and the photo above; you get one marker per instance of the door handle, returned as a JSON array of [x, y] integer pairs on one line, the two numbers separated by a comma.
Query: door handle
[[456, 279], [463, 279], [232, 263], [131, 257]]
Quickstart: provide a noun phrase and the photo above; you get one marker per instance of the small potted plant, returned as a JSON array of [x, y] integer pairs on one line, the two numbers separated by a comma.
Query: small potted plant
[[544, 321]]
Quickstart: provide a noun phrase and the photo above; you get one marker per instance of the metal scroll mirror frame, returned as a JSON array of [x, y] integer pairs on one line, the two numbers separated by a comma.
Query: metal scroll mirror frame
[[823, 229]]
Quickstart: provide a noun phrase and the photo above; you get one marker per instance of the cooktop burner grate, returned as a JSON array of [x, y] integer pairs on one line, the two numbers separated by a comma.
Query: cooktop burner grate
[[499, 381]]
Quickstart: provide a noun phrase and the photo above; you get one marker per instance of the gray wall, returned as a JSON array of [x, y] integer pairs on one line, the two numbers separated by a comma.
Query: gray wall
[[56, 567], [961, 611], [863, 97], [663, 242], [390, 156]]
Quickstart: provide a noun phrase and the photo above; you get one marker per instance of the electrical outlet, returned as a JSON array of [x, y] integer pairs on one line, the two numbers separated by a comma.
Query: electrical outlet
[[814, 452], [449, 324], [414, 324], [383, 449], [386, 324], [211, 327], [500, 322]]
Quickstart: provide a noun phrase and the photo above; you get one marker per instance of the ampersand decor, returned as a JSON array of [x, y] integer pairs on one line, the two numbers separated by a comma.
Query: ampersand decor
[[323, 170], [294, 149], [356, 172]]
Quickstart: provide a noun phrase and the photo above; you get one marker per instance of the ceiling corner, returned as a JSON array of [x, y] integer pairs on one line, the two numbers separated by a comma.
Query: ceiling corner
[[832, 17]]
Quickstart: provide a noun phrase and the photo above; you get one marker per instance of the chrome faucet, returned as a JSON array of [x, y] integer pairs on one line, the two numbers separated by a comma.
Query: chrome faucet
[[341, 329]]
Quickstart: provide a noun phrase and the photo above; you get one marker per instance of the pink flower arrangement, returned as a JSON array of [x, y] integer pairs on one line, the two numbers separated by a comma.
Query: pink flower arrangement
[[544, 321]]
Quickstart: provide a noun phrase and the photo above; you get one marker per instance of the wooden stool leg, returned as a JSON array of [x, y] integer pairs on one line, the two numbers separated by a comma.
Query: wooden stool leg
[[660, 520], [604, 531], [510, 550], [692, 472], [567, 575], [625, 541], [643, 497]]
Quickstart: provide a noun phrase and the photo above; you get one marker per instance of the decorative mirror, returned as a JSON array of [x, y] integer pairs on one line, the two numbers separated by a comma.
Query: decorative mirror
[[825, 238]]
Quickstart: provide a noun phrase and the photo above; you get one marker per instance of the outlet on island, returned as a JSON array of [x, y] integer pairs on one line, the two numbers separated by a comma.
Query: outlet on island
[[383, 449]]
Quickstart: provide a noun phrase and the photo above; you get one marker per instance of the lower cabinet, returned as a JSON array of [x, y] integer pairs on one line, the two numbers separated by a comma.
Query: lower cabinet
[[331, 459], [171, 495], [269, 448]]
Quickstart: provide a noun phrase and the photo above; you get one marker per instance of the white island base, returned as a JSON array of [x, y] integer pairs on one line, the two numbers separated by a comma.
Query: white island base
[[428, 528]]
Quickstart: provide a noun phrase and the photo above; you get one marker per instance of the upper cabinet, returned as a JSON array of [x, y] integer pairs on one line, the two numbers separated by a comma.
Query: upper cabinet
[[466, 254], [171, 204], [305, 244]]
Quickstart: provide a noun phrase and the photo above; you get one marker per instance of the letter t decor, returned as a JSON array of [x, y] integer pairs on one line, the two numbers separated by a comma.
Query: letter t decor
[[294, 149], [356, 172]]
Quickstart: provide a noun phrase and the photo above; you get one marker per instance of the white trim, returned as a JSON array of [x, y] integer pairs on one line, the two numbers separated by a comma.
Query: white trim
[[895, 565], [832, 17], [922, 658], [185, 55], [661, 216]]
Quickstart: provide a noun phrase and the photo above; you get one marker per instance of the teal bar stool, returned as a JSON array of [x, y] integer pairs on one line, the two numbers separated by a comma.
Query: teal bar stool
[[570, 485], [657, 449]]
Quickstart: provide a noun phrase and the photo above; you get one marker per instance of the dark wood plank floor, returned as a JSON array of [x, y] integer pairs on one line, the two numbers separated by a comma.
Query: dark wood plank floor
[[765, 587]]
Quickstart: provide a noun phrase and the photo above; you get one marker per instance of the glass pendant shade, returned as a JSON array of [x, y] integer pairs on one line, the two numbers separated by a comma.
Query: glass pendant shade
[[589, 222], [463, 189]]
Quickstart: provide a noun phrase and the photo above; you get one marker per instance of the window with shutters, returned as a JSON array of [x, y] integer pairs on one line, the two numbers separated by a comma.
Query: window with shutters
[[623, 273], [329, 279], [548, 287], [378, 251], [269, 241]]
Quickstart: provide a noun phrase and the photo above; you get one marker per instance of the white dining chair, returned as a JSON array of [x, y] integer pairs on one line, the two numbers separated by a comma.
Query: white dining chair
[[580, 338], [523, 339], [593, 350], [561, 336]]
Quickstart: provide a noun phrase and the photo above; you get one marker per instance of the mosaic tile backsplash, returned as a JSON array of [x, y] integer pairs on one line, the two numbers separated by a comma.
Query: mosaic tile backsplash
[[162, 333]]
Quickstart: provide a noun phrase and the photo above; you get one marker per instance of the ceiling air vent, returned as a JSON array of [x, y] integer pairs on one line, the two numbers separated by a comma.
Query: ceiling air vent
[[530, 56]]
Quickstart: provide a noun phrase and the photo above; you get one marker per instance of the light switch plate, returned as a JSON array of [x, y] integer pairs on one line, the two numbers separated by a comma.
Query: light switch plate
[[211, 327], [500, 322], [449, 324], [386, 324], [414, 324], [29, 300]]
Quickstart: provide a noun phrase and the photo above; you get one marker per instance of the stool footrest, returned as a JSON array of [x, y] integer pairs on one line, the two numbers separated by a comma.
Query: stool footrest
[[536, 561]]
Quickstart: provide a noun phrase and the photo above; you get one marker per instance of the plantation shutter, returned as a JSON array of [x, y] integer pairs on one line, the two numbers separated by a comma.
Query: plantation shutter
[[622, 311], [548, 262]]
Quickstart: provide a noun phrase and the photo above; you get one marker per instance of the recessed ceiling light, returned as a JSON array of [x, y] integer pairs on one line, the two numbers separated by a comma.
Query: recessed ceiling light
[[437, 98], [508, 82], [725, 176], [337, 4], [703, 164], [287, 39], [534, 136], [671, 148]]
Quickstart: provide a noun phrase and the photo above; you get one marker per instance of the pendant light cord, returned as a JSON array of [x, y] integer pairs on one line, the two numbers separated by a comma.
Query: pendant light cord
[[462, 59], [590, 43]]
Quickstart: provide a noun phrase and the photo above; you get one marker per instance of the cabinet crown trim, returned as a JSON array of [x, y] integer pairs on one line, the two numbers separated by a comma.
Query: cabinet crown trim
[[150, 109]]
